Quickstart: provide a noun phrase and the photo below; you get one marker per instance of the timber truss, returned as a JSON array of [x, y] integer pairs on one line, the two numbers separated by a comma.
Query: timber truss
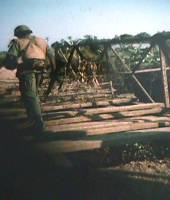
[[155, 41]]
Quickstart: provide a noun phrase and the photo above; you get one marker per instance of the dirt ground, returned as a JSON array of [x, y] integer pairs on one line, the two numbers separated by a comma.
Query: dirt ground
[[136, 171]]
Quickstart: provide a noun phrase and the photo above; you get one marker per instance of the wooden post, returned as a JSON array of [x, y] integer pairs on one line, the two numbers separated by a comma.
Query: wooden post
[[69, 60], [164, 78]]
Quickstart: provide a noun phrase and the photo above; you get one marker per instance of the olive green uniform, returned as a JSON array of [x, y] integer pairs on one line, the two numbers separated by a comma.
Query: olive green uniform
[[28, 86]]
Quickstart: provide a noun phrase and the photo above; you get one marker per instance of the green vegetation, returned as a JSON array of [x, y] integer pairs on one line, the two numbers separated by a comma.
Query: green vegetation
[[2, 58]]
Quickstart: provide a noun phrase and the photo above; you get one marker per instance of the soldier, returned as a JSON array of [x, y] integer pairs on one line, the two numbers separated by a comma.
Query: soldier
[[28, 54]]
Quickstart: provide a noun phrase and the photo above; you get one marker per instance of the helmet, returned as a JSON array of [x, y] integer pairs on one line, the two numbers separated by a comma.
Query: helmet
[[22, 30]]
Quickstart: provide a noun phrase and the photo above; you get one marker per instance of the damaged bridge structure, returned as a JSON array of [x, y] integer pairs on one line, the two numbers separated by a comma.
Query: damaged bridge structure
[[87, 114]]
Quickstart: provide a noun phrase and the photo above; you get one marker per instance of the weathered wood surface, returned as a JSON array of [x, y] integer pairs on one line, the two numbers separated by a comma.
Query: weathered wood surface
[[95, 92], [112, 109], [81, 119], [91, 111], [109, 109], [68, 146], [69, 97], [165, 78], [104, 124], [117, 101], [127, 127], [100, 117], [80, 126]]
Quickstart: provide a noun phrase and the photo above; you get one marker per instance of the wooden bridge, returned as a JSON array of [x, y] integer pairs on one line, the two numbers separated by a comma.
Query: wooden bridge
[[88, 119], [80, 120]]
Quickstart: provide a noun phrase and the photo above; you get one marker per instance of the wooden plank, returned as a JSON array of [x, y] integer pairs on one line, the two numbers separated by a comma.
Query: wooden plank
[[93, 125], [151, 118], [90, 125], [109, 109], [87, 126], [112, 109], [138, 112], [77, 96], [117, 101], [67, 97], [75, 120], [128, 127], [101, 117], [86, 93], [89, 115], [67, 146]]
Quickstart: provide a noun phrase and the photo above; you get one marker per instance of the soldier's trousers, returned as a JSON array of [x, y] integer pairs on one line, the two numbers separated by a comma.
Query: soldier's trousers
[[28, 85]]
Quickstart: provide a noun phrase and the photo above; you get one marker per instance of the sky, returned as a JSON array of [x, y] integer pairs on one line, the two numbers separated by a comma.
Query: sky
[[58, 19]]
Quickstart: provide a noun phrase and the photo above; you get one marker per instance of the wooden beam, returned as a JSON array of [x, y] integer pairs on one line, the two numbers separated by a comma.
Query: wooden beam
[[128, 127], [92, 93], [101, 117], [92, 112], [117, 101], [113, 109], [146, 71], [86, 126], [89, 112], [68, 146], [164, 78], [73, 72], [83, 126]]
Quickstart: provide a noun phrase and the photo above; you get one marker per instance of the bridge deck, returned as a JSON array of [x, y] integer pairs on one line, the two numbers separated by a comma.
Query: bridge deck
[[86, 125]]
